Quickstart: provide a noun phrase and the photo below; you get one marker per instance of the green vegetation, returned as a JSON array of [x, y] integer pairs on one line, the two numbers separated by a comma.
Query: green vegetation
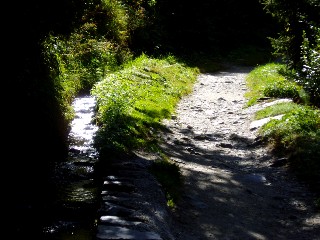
[[71, 45], [132, 102], [298, 41], [102, 52], [277, 109], [267, 81], [297, 134]]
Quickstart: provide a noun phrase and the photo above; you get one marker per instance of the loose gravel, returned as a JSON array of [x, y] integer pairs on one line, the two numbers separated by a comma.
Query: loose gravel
[[234, 188]]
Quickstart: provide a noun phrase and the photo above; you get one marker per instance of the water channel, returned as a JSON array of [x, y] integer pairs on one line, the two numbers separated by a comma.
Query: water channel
[[70, 211]]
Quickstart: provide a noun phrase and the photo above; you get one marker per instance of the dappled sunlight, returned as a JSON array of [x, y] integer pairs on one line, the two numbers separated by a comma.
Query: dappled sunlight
[[230, 189]]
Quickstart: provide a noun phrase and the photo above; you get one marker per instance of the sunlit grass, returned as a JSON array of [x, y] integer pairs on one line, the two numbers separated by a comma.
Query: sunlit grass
[[297, 134], [276, 109], [132, 102], [259, 78]]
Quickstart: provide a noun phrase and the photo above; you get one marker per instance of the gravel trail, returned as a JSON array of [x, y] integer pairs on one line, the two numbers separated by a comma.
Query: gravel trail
[[232, 186]]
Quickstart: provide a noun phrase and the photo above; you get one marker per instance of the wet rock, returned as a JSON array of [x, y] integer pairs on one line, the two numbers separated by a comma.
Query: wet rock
[[116, 220], [118, 186], [116, 210], [255, 178], [113, 233]]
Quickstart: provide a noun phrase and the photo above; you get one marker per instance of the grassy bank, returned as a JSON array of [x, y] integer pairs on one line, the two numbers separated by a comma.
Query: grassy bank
[[296, 135], [132, 102]]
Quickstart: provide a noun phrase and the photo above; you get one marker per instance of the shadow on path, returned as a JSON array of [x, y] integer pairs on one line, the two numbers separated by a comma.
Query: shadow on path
[[231, 191]]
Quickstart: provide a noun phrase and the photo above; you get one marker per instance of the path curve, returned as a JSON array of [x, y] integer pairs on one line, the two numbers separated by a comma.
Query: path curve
[[231, 191]]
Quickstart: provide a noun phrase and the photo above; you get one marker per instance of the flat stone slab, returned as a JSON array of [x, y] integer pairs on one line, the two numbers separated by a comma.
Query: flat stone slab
[[116, 210], [118, 186], [113, 233], [258, 123], [255, 178], [115, 220]]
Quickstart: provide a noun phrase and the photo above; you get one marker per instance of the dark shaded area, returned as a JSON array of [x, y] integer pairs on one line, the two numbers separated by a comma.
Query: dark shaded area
[[206, 27], [36, 131]]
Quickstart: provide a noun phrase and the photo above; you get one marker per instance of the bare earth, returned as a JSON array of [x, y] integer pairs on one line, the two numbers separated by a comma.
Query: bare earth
[[231, 189]]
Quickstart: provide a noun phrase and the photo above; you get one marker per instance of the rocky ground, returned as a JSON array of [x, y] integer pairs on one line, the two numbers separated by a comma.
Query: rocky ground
[[233, 187]]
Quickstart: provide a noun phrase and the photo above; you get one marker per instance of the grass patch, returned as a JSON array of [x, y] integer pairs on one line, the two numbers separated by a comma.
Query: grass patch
[[277, 109], [297, 134], [266, 81], [133, 101]]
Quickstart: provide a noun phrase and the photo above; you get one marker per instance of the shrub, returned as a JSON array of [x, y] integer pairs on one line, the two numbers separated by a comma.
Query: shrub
[[309, 76]]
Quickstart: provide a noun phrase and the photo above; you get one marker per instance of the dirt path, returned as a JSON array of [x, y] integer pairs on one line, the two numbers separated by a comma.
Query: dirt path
[[231, 191]]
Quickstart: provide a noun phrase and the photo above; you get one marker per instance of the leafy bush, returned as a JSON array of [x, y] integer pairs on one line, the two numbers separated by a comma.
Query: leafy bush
[[298, 43], [309, 76]]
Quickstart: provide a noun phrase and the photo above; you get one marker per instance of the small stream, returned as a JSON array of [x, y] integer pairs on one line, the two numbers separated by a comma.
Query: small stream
[[73, 210], [82, 128]]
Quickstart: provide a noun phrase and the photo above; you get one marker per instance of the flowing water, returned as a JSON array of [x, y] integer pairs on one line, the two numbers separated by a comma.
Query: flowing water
[[73, 211]]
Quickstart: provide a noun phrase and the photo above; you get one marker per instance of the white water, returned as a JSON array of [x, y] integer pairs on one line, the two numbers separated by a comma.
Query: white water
[[82, 128]]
